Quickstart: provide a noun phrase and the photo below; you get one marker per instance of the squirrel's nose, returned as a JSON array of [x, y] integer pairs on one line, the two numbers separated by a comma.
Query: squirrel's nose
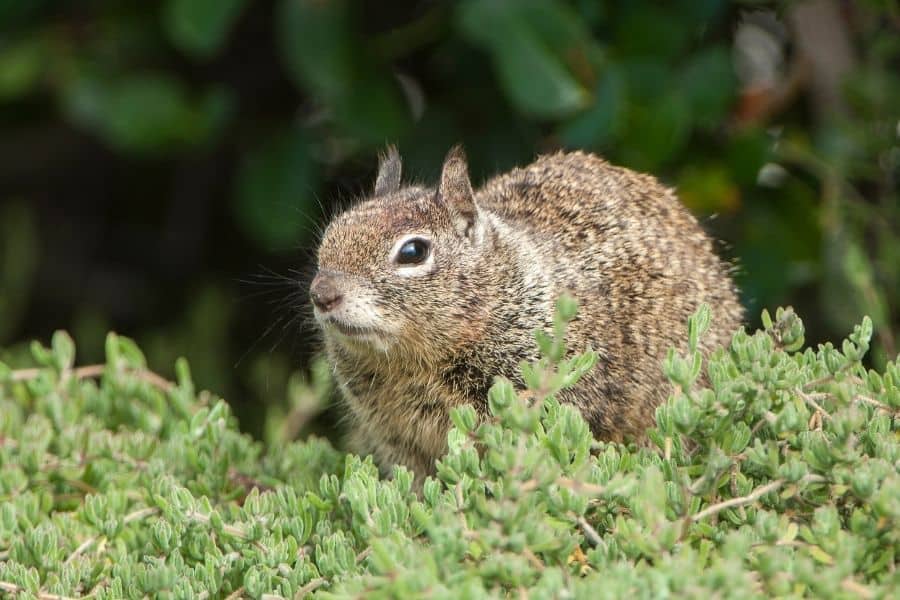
[[324, 292]]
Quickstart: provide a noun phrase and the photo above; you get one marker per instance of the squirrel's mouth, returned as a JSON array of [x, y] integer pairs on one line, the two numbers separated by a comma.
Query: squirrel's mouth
[[350, 330]]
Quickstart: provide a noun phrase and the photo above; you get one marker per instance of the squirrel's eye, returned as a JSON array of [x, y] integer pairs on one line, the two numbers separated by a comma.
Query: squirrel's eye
[[413, 252]]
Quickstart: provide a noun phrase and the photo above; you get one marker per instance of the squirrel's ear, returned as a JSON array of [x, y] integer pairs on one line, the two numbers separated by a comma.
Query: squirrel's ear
[[455, 191], [389, 170]]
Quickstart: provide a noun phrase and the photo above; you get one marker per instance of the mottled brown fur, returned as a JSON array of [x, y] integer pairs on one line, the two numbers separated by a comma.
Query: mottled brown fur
[[634, 258]]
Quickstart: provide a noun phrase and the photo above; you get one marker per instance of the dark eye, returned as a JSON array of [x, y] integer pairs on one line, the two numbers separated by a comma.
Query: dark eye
[[413, 252]]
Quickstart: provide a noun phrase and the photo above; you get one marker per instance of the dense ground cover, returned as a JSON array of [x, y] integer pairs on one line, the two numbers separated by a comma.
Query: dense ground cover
[[778, 477]]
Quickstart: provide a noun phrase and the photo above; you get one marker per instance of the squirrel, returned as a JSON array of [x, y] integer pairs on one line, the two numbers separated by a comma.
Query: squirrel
[[425, 295]]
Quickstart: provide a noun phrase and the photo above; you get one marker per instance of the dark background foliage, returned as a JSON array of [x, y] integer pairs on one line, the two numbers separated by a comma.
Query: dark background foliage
[[165, 166]]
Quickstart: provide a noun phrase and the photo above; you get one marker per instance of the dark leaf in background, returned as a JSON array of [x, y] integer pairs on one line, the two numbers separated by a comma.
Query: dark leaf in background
[[19, 258], [709, 189], [779, 245], [275, 192], [651, 31], [699, 15], [199, 28], [647, 79], [747, 152], [21, 65], [657, 131], [13, 13], [147, 112], [709, 82], [598, 126], [523, 41], [554, 24], [849, 281], [322, 51]]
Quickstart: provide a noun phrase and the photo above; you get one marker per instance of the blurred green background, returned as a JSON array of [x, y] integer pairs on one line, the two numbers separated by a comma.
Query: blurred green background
[[165, 166]]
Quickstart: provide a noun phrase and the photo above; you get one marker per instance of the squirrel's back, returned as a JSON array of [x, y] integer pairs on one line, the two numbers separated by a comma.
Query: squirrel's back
[[637, 262]]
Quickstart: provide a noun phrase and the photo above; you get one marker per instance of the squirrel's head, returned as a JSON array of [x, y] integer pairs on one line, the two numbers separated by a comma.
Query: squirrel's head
[[395, 270]]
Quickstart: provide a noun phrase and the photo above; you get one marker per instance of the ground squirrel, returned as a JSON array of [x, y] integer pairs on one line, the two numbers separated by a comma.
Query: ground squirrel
[[425, 295]]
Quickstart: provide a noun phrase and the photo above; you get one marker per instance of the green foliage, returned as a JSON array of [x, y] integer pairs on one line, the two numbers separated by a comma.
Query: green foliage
[[777, 478]]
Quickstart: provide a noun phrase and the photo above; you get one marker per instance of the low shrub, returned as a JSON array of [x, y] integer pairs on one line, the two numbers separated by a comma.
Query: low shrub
[[774, 475]]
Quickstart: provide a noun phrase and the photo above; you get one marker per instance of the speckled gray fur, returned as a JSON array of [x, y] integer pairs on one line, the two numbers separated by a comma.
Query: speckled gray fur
[[634, 258]]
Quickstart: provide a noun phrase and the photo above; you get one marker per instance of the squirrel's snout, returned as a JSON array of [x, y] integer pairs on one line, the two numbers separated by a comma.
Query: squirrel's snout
[[325, 293]]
